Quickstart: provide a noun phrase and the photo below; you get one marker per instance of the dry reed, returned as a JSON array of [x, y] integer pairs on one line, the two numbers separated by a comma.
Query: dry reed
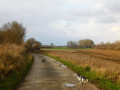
[[11, 58]]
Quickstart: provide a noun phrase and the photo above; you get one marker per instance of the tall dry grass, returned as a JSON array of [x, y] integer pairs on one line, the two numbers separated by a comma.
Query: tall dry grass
[[109, 46], [109, 68], [11, 59]]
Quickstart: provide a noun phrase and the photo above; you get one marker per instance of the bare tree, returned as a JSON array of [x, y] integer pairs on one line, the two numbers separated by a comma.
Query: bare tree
[[71, 44], [29, 43], [52, 45]]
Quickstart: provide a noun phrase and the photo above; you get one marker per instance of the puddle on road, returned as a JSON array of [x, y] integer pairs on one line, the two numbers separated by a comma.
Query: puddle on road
[[63, 66], [70, 85]]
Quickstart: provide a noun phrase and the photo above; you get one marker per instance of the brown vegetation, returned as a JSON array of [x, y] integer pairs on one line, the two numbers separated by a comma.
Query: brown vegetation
[[85, 43], [31, 45], [11, 59], [12, 33], [110, 55], [12, 49], [106, 46], [110, 68]]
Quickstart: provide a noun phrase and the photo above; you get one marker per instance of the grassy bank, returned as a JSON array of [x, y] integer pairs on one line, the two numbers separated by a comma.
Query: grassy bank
[[13, 79], [97, 78]]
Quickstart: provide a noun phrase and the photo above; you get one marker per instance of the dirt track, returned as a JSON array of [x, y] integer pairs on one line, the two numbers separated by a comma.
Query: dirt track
[[49, 75]]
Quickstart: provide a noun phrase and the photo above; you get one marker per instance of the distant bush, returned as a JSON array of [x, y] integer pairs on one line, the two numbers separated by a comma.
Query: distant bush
[[112, 46], [31, 44]]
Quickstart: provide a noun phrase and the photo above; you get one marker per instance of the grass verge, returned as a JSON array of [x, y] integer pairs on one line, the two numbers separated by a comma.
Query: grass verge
[[94, 77], [13, 79]]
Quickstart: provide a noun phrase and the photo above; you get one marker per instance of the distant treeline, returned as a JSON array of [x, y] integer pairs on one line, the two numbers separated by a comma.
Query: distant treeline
[[85, 43], [112, 46]]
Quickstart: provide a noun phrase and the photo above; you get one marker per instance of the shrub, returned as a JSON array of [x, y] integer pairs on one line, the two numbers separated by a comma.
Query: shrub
[[11, 58]]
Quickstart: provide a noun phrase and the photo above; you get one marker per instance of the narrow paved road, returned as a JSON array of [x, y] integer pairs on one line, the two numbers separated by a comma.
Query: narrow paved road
[[49, 75]]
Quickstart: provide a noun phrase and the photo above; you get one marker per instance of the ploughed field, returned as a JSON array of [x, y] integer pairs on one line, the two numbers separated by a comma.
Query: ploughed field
[[105, 62]]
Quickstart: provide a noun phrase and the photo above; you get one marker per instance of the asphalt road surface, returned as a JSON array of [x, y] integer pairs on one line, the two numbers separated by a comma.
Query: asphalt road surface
[[50, 75]]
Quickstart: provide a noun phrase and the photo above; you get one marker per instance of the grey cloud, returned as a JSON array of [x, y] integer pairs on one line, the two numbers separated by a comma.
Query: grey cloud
[[113, 6], [90, 13], [68, 25], [36, 15], [106, 19]]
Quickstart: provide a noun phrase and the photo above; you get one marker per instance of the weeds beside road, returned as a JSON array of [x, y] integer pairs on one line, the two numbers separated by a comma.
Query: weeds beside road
[[14, 64]]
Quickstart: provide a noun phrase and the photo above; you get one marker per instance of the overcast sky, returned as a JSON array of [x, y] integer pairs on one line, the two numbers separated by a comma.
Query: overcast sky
[[59, 21]]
